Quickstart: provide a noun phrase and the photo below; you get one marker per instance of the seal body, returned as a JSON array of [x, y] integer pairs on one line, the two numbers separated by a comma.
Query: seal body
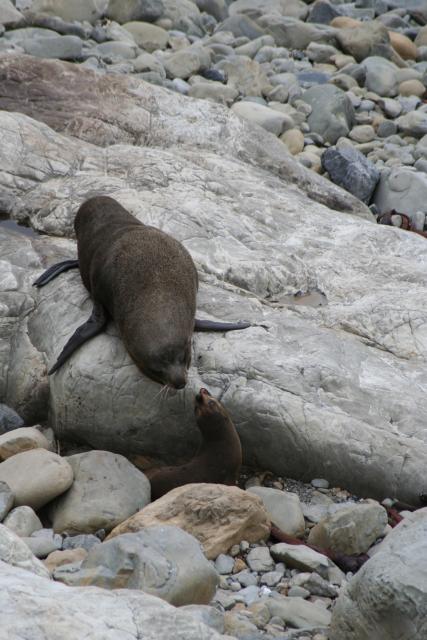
[[145, 280], [142, 278], [218, 459]]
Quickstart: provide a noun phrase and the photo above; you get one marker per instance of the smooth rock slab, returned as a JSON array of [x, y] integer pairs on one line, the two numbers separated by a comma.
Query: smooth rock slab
[[217, 515], [163, 561], [15, 552], [65, 613], [387, 598], [107, 489], [36, 477], [20, 440], [23, 521], [283, 508], [351, 530], [351, 170]]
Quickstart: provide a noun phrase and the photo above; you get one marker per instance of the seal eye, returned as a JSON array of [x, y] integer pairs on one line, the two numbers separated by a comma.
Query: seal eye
[[211, 404]]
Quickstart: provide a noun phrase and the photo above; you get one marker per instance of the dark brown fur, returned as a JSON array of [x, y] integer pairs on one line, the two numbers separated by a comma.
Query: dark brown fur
[[220, 455], [146, 281]]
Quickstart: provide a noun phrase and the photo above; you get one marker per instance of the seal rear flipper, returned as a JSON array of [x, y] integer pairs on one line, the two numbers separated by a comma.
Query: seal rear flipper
[[54, 271], [210, 325], [94, 325]]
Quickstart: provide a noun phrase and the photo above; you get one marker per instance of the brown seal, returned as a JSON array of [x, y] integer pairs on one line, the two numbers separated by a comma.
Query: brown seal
[[218, 459], [142, 278]]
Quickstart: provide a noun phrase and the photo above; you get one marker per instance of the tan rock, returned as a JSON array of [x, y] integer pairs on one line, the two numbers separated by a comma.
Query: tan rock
[[36, 477], [403, 45], [217, 515], [147, 36], [58, 558], [412, 88], [294, 140], [239, 565], [345, 22], [20, 440]]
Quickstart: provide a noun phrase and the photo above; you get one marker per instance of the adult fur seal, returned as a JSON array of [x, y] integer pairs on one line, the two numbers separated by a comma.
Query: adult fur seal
[[142, 278], [220, 455]]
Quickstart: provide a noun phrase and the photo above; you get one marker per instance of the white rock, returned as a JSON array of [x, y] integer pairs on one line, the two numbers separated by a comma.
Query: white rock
[[36, 477], [20, 440], [284, 509], [15, 552]]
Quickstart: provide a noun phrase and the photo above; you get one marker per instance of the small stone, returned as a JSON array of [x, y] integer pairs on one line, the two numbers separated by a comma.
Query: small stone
[[36, 476], [298, 592], [9, 419], [271, 578], [15, 552], [123, 11], [238, 625], [294, 140], [239, 565], [147, 36], [362, 133], [320, 483], [246, 578], [349, 168], [250, 594], [224, 564], [304, 559], [235, 550], [244, 546], [403, 45], [23, 521], [299, 613], [20, 440], [259, 559], [412, 88], [387, 128], [43, 542], [351, 530]]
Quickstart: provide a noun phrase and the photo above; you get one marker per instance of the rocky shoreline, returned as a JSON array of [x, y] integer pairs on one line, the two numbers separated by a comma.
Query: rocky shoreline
[[265, 135]]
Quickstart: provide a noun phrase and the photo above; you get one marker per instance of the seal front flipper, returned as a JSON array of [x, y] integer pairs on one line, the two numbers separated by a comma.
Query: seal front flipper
[[210, 325], [54, 271], [94, 325]]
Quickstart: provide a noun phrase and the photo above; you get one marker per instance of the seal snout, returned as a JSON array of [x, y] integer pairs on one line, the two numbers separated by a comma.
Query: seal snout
[[202, 396]]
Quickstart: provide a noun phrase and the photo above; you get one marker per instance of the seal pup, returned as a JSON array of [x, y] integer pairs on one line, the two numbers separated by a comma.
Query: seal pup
[[218, 459], [143, 279]]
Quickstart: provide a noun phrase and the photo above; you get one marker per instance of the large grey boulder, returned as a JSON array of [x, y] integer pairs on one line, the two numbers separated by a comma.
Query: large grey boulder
[[307, 393], [106, 490], [57, 611], [387, 598], [79, 10], [164, 561], [293, 33]]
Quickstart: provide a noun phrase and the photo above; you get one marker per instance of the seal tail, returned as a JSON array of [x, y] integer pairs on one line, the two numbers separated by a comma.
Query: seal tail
[[54, 271], [210, 325], [94, 325]]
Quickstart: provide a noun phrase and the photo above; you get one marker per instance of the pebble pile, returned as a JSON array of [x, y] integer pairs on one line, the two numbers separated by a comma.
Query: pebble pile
[[341, 84], [85, 519]]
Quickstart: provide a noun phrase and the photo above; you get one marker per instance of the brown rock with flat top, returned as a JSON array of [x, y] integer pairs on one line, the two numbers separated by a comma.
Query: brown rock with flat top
[[217, 515]]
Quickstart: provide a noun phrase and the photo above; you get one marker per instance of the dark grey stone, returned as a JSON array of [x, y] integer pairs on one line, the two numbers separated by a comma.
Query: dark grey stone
[[349, 169], [322, 12], [9, 419], [6, 500], [386, 128], [57, 24], [416, 8]]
